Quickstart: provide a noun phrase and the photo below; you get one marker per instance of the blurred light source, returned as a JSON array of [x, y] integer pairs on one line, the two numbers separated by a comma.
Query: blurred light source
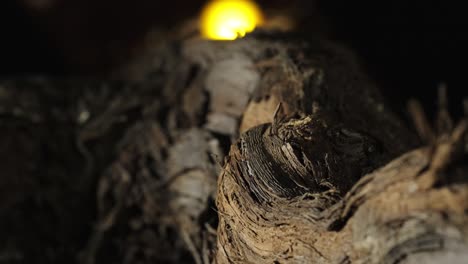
[[229, 19]]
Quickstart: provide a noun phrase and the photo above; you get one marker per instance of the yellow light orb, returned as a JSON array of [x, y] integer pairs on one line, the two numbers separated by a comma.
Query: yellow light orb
[[229, 19]]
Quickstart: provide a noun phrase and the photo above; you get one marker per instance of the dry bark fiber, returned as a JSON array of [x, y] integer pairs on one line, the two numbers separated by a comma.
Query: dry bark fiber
[[267, 149]]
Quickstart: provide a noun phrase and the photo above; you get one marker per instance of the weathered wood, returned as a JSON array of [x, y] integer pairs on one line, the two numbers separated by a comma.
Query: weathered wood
[[291, 190], [266, 149]]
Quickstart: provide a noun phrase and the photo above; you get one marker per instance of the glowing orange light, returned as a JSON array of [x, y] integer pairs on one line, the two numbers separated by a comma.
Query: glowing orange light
[[229, 19]]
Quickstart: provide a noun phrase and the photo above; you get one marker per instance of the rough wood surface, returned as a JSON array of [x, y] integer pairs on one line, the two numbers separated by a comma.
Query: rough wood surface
[[308, 178], [266, 149]]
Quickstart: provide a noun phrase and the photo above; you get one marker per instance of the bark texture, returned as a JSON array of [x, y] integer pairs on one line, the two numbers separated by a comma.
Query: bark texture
[[266, 149], [309, 177]]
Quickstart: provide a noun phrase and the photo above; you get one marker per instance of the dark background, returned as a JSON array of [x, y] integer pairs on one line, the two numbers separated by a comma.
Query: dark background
[[407, 47]]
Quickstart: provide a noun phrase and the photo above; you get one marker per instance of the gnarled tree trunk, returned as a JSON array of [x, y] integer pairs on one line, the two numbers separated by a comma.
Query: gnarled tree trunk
[[319, 169], [265, 149]]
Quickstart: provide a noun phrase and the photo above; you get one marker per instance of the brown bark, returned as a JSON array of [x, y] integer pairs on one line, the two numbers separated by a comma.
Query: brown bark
[[310, 179], [261, 150], [286, 191]]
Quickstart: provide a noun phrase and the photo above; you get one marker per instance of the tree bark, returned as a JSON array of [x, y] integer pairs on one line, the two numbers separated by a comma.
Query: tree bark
[[309, 177], [266, 149]]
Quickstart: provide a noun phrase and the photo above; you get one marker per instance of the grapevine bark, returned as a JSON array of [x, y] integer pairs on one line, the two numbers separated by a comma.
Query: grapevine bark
[[267, 149]]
